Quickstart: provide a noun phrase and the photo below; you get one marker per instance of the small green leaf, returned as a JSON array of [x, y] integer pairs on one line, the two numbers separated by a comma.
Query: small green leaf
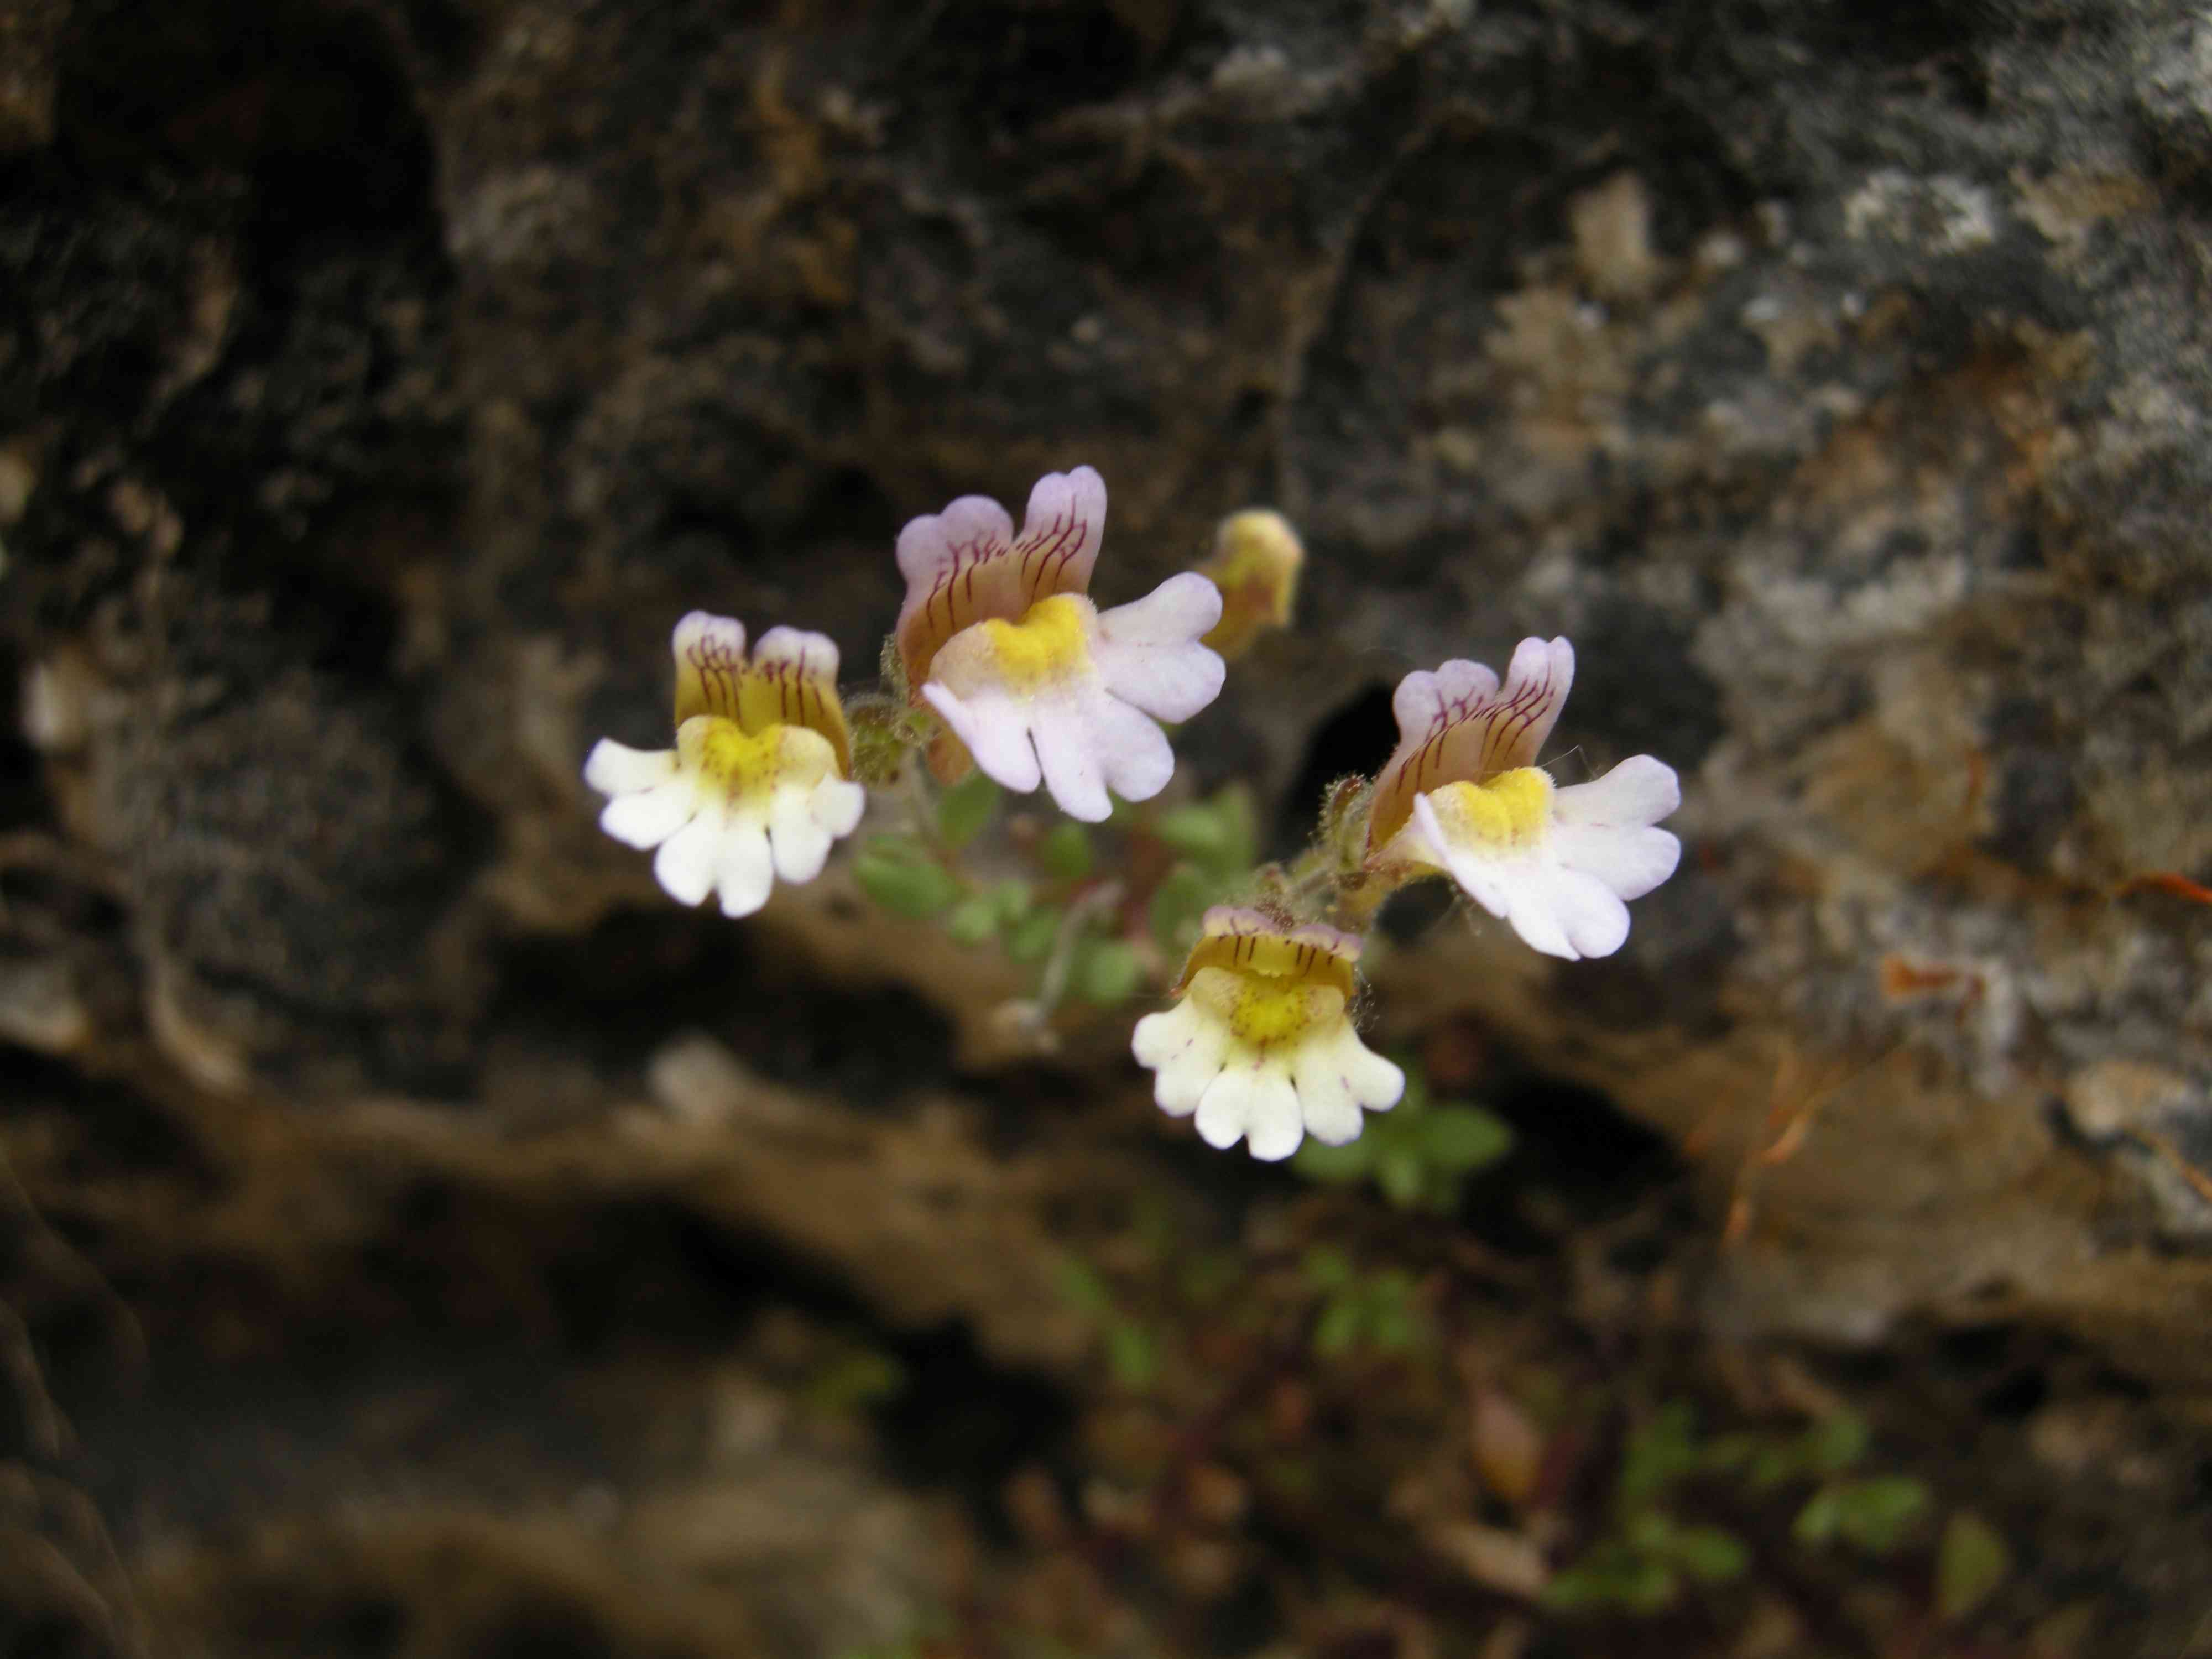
[[1834, 1443], [1079, 1283], [1031, 939], [1710, 1555], [1729, 1451], [1973, 1561], [1400, 1175], [1395, 1325], [1328, 1268], [1178, 902], [905, 882], [1460, 1139], [1658, 1454], [973, 920], [1340, 1327], [1107, 971], [1011, 900], [1317, 1161], [1197, 831], [1129, 1353], [1876, 1514], [965, 808], [1064, 851], [1817, 1522]]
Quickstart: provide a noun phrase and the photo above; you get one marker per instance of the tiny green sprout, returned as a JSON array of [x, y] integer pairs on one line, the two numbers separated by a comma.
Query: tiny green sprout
[[1613, 1576], [1826, 1448], [1064, 851], [899, 873], [1418, 1153], [1661, 1452], [1971, 1561]]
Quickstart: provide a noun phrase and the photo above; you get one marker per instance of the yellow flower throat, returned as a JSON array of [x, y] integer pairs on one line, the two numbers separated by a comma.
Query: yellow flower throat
[[1509, 814], [1051, 641]]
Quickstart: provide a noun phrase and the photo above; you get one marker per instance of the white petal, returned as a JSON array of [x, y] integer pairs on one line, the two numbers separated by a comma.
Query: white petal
[[685, 867], [1377, 1084], [1224, 1107], [996, 732], [1067, 748], [1478, 879], [801, 844], [615, 768], [809, 657], [1133, 750], [1273, 1124], [1632, 862], [1148, 653], [1325, 1097], [1641, 790], [744, 870], [1185, 1049], [1537, 681], [837, 805], [1563, 913], [652, 815]]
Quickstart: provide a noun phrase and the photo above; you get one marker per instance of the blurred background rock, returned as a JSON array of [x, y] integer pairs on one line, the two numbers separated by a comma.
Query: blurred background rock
[[418, 1237]]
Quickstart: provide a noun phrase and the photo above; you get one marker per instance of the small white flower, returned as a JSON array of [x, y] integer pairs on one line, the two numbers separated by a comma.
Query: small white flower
[[757, 785], [1464, 794], [1261, 1045], [998, 635]]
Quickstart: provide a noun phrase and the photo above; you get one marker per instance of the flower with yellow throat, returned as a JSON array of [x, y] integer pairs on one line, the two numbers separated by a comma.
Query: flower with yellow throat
[[999, 635], [1464, 794], [1261, 1045], [759, 783]]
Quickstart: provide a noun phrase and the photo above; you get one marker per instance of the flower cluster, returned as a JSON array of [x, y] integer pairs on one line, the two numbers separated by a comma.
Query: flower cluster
[[1006, 667]]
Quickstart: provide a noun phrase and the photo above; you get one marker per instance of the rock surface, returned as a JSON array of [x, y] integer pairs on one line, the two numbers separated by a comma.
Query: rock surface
[[378, 381]]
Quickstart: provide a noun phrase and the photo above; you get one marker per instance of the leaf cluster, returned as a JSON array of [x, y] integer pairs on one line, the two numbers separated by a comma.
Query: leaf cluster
[[1419, 1152]]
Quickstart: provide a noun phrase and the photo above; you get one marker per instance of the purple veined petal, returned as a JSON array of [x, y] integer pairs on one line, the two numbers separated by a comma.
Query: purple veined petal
[[1630, 861], [1062, 530], [1527, 707], [1426, 702], [745, 868], [710, 655], [615, 768], [996, 732], [1641, 790], [969, 530]]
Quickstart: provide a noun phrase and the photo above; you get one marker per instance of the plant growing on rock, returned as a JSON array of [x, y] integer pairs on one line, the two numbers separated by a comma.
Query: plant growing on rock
[[1003, 676]]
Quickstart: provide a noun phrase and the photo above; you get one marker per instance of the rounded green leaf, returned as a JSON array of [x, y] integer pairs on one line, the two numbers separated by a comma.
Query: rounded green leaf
[[1107, 971], [1710, 1555], [1064, 851], [1399, 1173], [904, 884], [1340, 1327], [965, 808], [1318, 1161], [1973, 1561], [1031, 939], [1460, 1139], [973, 920], [1876, 1515]]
